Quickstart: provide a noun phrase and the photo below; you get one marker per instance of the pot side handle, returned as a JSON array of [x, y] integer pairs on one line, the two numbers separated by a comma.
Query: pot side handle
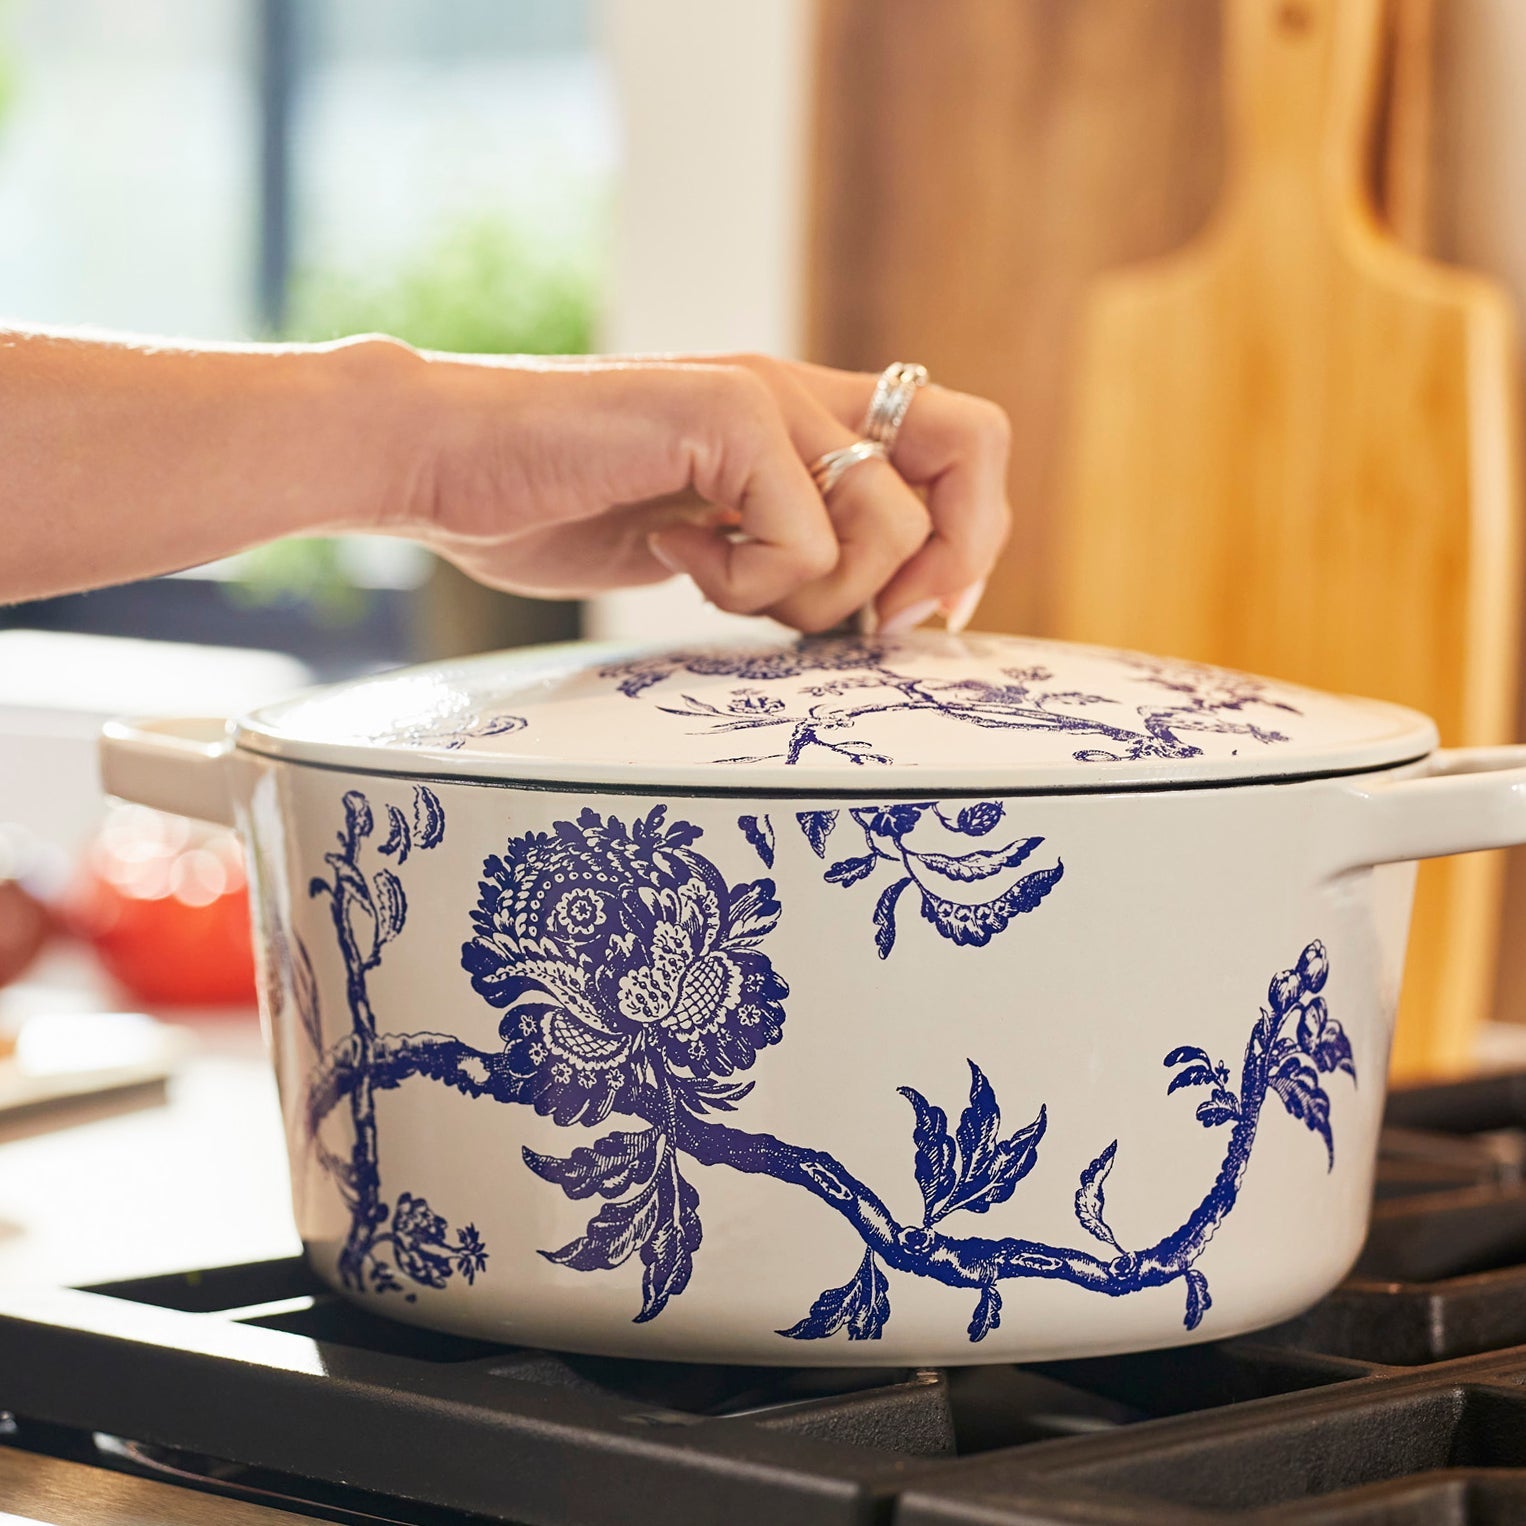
[[174, 764], [1469, 799]]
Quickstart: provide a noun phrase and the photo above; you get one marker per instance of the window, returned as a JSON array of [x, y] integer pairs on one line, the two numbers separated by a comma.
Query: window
[[246, 168]]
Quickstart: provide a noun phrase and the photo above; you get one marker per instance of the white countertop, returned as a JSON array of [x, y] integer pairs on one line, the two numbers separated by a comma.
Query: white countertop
[[198, 1181]]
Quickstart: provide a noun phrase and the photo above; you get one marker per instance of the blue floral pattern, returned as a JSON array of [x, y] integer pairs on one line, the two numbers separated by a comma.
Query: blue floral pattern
[[943, 881], [624, 960], [634, 984], [368, 910], [860, 682]]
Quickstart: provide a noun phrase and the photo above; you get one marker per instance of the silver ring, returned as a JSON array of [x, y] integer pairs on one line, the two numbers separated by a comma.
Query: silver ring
[[899, 383], [828, 470]]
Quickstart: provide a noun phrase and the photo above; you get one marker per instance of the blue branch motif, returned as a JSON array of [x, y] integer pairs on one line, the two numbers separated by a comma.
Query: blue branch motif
[[858, 681], [943, 881], [387, 1243], [759, 831], [636, 994]]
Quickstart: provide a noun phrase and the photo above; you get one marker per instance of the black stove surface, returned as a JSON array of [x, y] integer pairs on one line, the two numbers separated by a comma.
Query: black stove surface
[[1399, 1399]]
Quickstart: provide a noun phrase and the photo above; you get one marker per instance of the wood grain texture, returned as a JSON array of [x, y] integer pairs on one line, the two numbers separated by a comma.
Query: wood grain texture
[[1405, 177], [1294, 451], [977, 162], [1476, 162], [51, 1492]]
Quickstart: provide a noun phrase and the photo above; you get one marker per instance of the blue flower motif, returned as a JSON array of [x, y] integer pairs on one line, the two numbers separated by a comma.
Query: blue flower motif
[[828, 654], [420, 1242], [471, 1253], [750, 702], [896, 820], [623, 958], [824, 654]]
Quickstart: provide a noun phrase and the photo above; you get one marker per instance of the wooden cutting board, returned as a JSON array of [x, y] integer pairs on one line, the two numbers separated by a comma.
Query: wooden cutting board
[[1293, 450]]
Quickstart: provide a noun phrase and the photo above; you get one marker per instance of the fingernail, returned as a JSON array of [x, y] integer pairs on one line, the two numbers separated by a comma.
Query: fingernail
[[907, 619], [868, 620], [655, 546], [961, 608]]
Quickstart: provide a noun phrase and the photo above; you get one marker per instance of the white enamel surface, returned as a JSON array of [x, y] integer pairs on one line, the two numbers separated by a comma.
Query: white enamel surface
[[1173, 912], [927, 711]]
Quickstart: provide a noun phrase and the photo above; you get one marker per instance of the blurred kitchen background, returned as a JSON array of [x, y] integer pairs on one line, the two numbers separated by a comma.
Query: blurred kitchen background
[[854, 181]]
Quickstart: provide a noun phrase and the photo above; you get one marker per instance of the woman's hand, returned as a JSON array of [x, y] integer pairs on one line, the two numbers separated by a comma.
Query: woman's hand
[[568, 477], [130, 457]]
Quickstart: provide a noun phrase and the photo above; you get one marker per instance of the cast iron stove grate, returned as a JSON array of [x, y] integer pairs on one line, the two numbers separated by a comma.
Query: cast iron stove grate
[[1400, 1399]]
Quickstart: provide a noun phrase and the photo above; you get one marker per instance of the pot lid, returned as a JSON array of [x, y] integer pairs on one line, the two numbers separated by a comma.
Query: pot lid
[[924, 711]]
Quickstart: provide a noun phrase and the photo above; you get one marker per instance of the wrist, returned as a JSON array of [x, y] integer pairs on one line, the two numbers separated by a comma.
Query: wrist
[[373, 389]]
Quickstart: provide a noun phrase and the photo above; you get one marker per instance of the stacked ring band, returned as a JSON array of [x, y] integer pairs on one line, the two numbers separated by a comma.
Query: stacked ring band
[[828, 470], [899, 383]]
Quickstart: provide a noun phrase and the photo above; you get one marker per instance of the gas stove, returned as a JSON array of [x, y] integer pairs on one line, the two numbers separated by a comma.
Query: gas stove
[[1400, 1398]]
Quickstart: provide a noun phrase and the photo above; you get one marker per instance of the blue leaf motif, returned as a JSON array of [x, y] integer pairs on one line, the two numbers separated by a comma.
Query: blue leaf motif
[[849, 871], [990, 1171], [357, 814], [976, 924], [1221, 1107], [827, 1314], [1297, 1082], [987, 1313], [759, 831], [978, 866], [428, 817], [609, 1166], [613, 1235], [1011, 1161], [817, 826], [471, 1254], [1187, 1052], [660, 1220], [669, 1254], [862, 1304], [963, 921], [1090, 1202], [867, 1322], [391, 905], [399, 837], [884, 917], [978, 819], [1198, 1300], [754, 913], [978, 1125], [935, 1153], [1196, 1074], [1323, 1039]]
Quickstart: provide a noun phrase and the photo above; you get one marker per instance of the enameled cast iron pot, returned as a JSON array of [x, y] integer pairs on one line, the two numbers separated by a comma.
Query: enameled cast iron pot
[[915, 1001]]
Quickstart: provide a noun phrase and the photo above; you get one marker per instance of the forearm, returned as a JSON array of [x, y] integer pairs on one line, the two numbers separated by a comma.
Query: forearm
[[121, 459]]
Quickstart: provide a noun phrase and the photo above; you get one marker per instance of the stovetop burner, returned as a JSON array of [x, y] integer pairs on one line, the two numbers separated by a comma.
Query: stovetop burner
[[1400, 1398]]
